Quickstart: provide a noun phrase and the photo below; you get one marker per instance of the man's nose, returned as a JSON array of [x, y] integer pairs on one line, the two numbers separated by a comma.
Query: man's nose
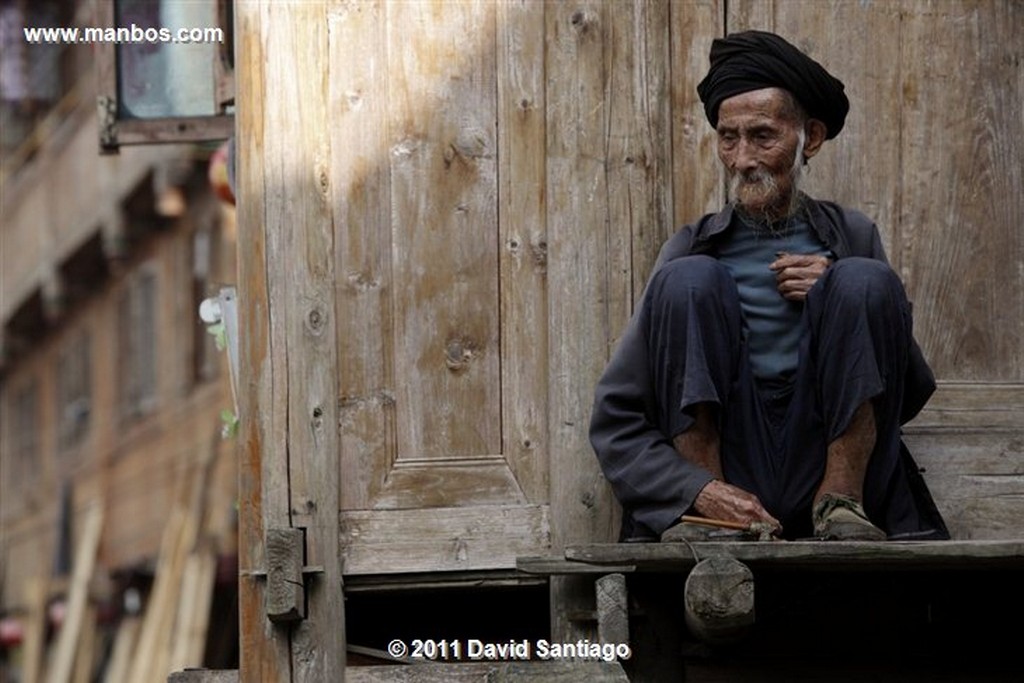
[[746, 158]]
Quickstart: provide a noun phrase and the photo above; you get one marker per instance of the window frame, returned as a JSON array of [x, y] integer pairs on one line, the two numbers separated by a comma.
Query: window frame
[[74, 385], [115, 131], [138, 318]]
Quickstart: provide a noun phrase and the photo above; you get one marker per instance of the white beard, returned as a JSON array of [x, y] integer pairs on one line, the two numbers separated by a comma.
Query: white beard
[[759, 187]]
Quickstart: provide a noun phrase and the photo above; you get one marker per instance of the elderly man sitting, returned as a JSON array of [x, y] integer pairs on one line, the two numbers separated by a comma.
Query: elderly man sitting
[[765, 374]]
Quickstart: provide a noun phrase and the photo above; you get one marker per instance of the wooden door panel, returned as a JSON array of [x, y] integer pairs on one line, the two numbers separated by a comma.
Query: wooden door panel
[[438, 380]]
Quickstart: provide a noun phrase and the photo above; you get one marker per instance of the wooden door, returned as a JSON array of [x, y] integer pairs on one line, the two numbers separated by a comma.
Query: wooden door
[[436, 167]]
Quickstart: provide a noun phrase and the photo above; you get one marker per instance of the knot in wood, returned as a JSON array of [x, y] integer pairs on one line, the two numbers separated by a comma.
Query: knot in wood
[[582, 21], [459, 354], [540, 254], [315, 319]]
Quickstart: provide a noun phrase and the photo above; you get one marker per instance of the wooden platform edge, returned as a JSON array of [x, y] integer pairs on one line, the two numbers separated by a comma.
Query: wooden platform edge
[[830, 555], [204, 676], [546, 566], [536, 671], [527, 671]]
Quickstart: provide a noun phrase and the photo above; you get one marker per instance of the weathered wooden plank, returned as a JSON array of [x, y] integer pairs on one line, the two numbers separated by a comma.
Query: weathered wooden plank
[[361, 185], [962, 207], [972, 406], [638, 146], [204, 676], [152, 654], [523, 244], [553, 671], [35, 628], [543, 566], [301, 286], [977, 479], [433, 482], [832, 555], [579, 281], [263, 492], [442, 112], [121, 652], [444, 539], [61, 666], [697, 178], [85, 649]]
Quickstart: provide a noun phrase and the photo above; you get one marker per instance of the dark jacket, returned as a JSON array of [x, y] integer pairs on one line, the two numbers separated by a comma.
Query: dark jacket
[[651, 481]]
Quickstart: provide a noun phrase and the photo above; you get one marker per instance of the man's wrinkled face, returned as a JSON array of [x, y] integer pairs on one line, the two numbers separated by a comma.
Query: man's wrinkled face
[[760, 141]]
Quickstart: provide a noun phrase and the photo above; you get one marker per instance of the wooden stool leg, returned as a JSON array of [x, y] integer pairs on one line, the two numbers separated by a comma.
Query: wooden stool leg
[[612, 609]]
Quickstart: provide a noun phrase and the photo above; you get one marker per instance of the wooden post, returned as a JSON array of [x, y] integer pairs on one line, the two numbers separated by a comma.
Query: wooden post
[[263, 466], [85, 561], [36, 589], [289, 466], [718, 600], [612, 609]]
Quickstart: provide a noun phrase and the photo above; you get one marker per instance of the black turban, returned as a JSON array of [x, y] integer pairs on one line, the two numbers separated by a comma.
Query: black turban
[[752, 60]]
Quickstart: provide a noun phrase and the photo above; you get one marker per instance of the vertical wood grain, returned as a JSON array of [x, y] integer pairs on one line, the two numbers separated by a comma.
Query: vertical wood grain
[[301, 278], [263, 477], [365, 286], [523, 243], [962, 210], [697, 179], [608, 204], [577, 249], [639, 163], [577, 215], [442, 108]]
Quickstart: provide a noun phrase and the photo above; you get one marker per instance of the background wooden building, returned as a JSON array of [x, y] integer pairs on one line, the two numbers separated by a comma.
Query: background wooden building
[[112, 389], [446, 212]]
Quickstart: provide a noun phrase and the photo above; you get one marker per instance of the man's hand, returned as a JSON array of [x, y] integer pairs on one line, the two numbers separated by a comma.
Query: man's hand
[[797, 273], [719, 500]]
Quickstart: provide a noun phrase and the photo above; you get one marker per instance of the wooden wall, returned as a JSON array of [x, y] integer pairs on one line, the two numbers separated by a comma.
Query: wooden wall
[[491, 182], [449, 209]]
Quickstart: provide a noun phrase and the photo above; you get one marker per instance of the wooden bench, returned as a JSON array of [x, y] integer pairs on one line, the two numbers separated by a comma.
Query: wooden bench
[[884, 591]]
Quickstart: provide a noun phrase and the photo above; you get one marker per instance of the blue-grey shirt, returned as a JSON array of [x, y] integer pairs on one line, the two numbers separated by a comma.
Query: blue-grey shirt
[[772, 323]]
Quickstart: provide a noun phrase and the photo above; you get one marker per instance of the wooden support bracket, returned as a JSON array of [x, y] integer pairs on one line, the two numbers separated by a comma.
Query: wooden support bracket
[[286, 574]]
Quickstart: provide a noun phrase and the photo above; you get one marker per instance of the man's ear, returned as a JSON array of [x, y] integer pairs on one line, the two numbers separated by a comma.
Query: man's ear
[[816, 132]]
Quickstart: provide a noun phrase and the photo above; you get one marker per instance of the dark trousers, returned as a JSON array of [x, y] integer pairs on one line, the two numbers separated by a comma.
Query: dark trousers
[[774, 435]]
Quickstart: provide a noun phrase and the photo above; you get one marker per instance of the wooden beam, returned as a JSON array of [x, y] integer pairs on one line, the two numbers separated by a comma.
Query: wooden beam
[[124, 646], [36, 592], [824, 555], [552, 671], [85, 561], [718, 600], [263, 468]]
